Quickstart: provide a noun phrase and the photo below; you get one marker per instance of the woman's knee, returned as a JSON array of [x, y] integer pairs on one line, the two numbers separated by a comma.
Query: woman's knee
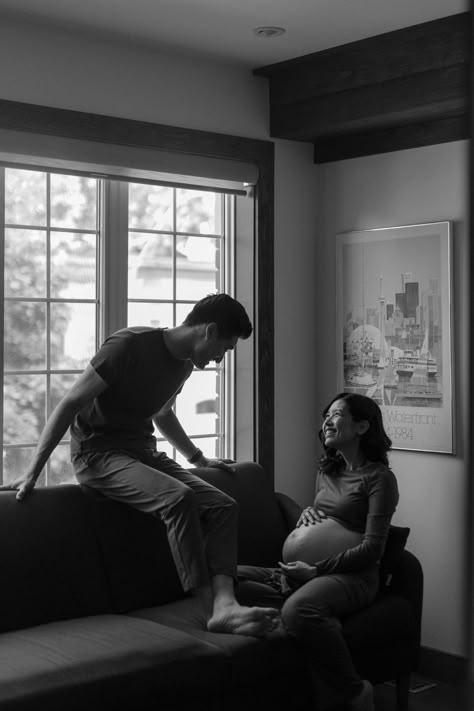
[[297, 615]]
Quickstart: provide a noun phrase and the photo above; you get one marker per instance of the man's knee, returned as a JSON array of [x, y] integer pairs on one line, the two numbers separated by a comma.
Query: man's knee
[[223, 501], [183, 498], [228, 502]]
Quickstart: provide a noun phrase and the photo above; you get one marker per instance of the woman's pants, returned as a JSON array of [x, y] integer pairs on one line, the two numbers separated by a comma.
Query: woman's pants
[[312, 614], [200, 520]]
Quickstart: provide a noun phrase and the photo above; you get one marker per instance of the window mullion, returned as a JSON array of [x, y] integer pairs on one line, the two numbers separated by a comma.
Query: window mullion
[[2, 310], [227, 414], [113, 259], [47, 469]]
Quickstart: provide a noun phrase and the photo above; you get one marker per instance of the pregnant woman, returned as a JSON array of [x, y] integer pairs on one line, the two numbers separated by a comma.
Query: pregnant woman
[[330, 565]]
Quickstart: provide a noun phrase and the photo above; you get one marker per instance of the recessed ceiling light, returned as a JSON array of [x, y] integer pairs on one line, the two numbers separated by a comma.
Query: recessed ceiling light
[[269, 31]]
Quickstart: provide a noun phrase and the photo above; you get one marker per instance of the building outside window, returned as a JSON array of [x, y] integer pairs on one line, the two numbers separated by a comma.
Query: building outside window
[[84, 257]]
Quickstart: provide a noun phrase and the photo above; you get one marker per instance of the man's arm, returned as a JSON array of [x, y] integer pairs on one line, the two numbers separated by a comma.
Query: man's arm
[[85, 389], [171, 428]]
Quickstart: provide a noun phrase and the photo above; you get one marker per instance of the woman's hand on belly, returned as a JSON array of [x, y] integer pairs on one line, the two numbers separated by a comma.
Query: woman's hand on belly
[[309, 516], [318, 541], [298, 570]]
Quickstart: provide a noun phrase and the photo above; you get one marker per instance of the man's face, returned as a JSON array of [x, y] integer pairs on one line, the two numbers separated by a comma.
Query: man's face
[[211, 347]]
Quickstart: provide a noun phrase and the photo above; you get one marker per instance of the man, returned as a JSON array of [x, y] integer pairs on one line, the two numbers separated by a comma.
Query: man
[[131, 383]]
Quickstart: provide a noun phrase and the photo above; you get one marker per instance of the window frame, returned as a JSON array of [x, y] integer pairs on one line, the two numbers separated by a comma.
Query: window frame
[[34, 118]]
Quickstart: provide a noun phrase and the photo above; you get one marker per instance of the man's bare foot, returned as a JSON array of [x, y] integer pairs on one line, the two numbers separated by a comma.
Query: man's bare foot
[[236, 619]]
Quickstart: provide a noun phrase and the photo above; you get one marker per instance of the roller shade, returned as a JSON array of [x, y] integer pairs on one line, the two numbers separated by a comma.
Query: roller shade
[[23, 149]]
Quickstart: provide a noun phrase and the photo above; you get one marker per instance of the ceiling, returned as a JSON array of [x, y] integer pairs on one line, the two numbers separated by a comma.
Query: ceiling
[[223, 29]]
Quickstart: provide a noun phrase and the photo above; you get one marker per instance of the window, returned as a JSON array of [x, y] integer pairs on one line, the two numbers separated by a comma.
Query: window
[[177, 253], [71, 243]]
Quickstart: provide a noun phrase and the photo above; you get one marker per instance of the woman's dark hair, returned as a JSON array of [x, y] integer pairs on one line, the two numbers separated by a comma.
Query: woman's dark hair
[[228, 314], [374, 444]]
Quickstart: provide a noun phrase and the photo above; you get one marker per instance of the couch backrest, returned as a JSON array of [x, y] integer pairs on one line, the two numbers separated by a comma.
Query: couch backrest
[[50, 563], [136, 555], [67, 552]]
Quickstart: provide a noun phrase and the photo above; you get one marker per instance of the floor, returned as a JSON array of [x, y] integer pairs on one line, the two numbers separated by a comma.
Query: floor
[[441, 697]]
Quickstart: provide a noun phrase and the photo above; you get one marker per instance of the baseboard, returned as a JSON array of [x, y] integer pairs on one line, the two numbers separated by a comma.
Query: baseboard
[[441, 666]]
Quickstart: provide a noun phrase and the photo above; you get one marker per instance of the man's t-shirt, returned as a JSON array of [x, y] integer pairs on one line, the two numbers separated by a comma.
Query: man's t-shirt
[[142, 376]]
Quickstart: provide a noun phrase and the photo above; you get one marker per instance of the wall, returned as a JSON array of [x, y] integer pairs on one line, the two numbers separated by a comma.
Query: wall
[[407, 187], [75, 71]]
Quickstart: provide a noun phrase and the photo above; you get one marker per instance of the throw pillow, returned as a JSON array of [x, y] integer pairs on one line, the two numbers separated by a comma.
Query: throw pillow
[[397, 538]]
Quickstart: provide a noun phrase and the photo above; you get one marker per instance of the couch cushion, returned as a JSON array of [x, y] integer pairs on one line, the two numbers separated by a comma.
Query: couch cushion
[[95, 661], [262, 528], [136, 554], [252, 660], [49, 559]]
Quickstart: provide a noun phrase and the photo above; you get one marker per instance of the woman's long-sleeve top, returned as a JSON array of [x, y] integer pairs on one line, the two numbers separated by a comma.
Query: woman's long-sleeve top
[[363, 500]]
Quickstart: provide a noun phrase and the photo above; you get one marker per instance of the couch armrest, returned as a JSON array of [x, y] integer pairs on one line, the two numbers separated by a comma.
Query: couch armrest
[[290, 510]]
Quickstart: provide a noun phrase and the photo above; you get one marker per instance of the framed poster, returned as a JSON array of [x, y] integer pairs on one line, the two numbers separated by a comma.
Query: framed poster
[[394, 329]]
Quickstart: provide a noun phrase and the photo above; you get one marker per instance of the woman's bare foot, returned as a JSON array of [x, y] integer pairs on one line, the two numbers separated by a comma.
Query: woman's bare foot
[[237, 619]]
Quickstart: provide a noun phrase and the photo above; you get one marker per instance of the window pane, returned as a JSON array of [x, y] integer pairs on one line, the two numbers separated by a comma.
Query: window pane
[[73, 202], [73, 265], [197, 273], [60, 384], [197, 405], [163, 445], [24, 408], [25, 263], [15, 462], [25, 335], [209, 446], [150, 207], [182, 310], [25, 197], [73, 329], [60, 467], [150, 266], [153, 315], [198, 211]]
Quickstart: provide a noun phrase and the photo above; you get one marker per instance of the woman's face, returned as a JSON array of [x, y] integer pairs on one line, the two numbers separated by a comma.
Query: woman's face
[[339, 428]]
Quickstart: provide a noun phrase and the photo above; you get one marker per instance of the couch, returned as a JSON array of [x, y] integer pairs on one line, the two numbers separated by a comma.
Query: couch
[[93, 615]]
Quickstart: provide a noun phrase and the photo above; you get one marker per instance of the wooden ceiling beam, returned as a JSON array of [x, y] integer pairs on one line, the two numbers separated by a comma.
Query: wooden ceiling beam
[[416, 76], [399, 138], [412, 98]]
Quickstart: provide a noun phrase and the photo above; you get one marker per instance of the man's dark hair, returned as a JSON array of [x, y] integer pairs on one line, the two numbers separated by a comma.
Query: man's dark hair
[[228, 314]]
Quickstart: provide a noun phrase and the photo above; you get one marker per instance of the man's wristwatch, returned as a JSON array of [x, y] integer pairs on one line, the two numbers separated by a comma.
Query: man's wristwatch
[[196, 457]]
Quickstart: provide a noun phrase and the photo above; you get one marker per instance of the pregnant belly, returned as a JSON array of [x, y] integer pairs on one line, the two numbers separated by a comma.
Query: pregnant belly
[[318, 541]]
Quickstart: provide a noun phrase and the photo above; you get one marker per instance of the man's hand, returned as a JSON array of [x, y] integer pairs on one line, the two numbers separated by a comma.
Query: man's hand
[[225, 464], [297, 570], [23, 484], [310, 516]]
